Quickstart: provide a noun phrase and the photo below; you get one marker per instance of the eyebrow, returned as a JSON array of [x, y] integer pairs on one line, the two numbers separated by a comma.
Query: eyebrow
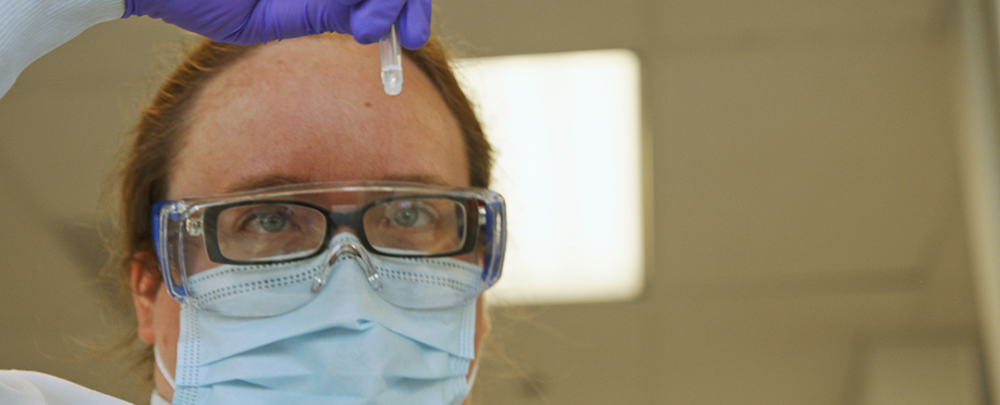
[[254, 183], [418, 178]]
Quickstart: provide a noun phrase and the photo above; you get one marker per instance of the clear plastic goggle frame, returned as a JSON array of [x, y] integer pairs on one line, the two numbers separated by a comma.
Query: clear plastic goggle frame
[[422, 246]]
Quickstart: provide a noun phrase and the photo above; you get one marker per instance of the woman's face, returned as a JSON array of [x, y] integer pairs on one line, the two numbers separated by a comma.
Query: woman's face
[[301, 111]]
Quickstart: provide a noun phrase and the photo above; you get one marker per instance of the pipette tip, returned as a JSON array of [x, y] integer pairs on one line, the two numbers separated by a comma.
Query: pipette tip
[[392, 62], [392, 79]]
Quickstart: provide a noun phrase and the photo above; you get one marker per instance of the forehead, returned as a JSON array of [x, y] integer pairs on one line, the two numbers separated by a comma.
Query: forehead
[[313, 109]]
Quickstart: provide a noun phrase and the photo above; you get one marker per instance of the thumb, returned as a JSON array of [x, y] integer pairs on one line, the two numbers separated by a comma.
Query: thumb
[[371, 19], [415, 24]]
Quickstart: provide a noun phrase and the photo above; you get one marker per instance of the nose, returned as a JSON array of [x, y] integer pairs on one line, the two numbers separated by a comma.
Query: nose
[[342, 229], [344, 221]]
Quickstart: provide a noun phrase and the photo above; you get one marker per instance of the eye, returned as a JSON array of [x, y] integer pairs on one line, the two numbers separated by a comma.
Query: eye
[[266, 221], [272, 222], [410, 214]]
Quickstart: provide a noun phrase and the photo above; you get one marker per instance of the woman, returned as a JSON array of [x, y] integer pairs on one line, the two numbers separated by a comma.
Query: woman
[[329, 243], [30, 28]]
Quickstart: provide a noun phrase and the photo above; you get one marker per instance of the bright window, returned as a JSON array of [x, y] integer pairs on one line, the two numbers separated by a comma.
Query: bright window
[[566, 129]]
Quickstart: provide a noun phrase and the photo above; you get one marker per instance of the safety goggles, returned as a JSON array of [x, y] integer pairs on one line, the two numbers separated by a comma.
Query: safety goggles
[[267, 252]]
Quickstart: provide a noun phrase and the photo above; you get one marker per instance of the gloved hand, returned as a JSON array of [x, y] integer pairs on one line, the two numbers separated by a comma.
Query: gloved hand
[[253, 21]]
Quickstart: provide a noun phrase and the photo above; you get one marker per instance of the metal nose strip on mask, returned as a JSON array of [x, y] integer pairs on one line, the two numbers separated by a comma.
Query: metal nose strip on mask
[[346, 250]]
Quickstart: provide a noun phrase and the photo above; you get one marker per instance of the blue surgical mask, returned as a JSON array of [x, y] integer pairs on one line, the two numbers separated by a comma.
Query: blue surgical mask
[[346, 346]]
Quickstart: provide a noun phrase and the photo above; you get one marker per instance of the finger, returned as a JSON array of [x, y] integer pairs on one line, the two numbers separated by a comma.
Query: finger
[[328, 16], [415, 24], [371, 19]]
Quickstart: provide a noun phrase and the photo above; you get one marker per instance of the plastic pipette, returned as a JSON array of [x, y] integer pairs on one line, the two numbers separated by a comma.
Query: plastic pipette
[[392, 62]]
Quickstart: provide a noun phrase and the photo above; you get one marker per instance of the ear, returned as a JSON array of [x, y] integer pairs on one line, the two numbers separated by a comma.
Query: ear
[[145, 281]]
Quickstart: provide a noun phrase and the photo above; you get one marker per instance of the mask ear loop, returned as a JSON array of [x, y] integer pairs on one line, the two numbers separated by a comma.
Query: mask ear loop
[[163, 369], [472, 375]]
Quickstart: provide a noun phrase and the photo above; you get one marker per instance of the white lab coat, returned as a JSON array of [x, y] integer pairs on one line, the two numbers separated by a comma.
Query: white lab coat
[[31, 28], [33, 388]]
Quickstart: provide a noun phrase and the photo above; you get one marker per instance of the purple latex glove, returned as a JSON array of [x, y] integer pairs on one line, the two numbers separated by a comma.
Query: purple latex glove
[[253, 21]]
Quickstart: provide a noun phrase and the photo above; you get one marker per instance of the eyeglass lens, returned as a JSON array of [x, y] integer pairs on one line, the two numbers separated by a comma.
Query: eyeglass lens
[[427, 226], [269, 231]]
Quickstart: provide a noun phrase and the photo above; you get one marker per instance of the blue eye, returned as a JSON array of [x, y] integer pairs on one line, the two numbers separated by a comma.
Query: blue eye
[[410, 217], [270, 222], [266, 220], [410, 214]]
